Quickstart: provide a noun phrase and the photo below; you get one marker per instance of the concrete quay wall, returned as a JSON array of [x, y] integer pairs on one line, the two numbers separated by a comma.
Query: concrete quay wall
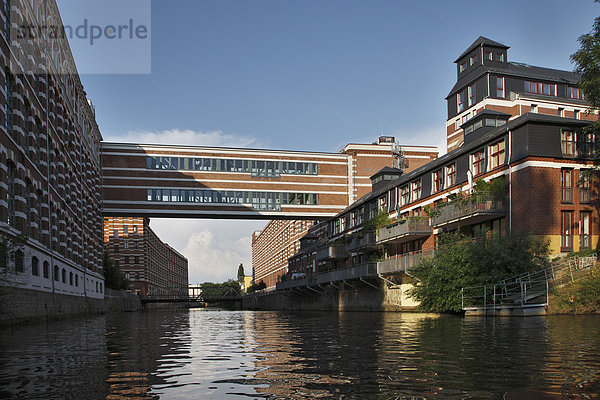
[[23, 306], [359, 297]]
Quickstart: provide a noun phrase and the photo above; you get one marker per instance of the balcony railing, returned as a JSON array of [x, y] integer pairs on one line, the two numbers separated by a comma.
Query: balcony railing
[[585, 195], [567, 195], [404, 230], [585, 241], [566, 243], [481, 206], [404, 262], [356, 272], [366, 241], [292, 283], [332, 252]]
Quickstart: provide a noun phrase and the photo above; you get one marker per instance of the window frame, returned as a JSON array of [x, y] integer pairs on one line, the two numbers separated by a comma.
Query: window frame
[[450, 171], [568, 147], [497, 155], [437, 180], [478, 162], [500, 92]]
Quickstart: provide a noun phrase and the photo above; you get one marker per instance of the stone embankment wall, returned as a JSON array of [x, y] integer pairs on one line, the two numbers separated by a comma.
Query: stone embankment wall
[[359, 297], [18, 305]]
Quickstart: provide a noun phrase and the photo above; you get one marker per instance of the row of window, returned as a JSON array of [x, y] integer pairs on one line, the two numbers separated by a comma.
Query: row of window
[[489, 55], [568, 143], [231, 197], [568, 180], [568, 229], [255, 167], [60, 275]]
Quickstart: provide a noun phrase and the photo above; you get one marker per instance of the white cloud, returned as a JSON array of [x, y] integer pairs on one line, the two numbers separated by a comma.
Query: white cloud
[[185, 137], [214, 248]]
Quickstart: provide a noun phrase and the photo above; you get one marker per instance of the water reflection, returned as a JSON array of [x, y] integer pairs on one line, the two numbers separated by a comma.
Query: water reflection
[[217, 355]]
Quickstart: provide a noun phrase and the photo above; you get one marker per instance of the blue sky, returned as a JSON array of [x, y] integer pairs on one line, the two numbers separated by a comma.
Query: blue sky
[[315, 75]]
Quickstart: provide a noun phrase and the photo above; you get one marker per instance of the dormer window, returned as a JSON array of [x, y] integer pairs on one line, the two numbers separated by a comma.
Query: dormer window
[[473, 59], [489, 55], [462, 66], [460, 98], [548, 89], [499, 57], [471, 95], [575, 93]]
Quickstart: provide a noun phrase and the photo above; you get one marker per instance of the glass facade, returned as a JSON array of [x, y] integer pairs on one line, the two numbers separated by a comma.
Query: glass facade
[[259, 200], [255, 167]]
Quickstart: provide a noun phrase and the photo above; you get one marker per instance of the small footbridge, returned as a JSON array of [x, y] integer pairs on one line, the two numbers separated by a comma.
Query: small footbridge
[[205, 294], [526, 294]]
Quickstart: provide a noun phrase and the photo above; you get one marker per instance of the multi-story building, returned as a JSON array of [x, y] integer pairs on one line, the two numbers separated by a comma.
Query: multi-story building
[[536, 162], [152, 266], [50, 187], [486, 80], [281, 239]]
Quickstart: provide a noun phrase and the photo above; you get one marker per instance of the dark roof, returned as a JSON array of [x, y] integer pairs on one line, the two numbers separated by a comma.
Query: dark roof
[[481, 41], [466, 148], [520, 70], [388, 170]]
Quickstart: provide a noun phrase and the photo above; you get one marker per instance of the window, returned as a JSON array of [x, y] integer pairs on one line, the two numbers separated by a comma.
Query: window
[[116, 248], [566, 180], [575, 93], [136, 260], [46, 269], [125, 229], [585, 238], [534, 108], [19, 259], [126, 259], [450, 175], [438, 181], [473, 59], [416, 190], [404, 196], [589, 144], [576, 114], [547, 89], [71, 279], [566, 228], [497, 154], [116, 233], [471, 90], [76, 280], [561, 112], [489, 55], [499, 56], [462, 66], [585, 189], [460, 99], [11, 193], [64, 275], [567, 143], [35, 266], [499, 87], [125, 244], [478, 163]]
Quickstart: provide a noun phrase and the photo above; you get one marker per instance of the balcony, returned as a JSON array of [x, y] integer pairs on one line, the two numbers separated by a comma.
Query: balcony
[[356, 272], [473, 210], [332, 252], [405, 230], [365, 242], [292, 283], [403, 263]]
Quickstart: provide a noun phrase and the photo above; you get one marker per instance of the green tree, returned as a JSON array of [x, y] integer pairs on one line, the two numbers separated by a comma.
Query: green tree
[[462, 262], [113, 277], [241, 274]]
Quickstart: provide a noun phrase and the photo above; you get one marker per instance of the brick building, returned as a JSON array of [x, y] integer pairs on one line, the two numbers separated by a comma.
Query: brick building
[[539, 157], [486, 80], [50, 188], [152, 266], [280, 239]]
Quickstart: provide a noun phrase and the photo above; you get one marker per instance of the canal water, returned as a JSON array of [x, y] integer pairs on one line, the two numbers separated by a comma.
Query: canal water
[[211, 354]]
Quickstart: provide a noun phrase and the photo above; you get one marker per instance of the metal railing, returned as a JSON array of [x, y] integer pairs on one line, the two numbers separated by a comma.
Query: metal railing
[[465, 208], [525, 290], [404, 228], [367, 240], [332, 251], [292, 283], [355, 272], [403, 263]]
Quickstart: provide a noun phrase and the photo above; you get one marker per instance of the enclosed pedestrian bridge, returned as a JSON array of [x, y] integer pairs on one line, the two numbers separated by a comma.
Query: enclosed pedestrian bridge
[[207, 182], [150, 180]]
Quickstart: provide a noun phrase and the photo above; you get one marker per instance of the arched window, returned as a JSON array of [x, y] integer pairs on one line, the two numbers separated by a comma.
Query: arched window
[[64, 276], [76, 280], [71, 278], [19, 261], [100, 287], [46, 269], [12, 191], [96, 286], [56, 273], [35, 266]]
